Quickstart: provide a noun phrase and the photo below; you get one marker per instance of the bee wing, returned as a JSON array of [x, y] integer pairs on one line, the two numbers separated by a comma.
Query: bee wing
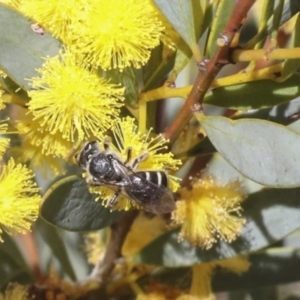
[[153, 198]]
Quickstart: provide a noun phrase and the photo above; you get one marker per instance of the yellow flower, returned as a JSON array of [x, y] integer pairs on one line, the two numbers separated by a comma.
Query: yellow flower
[[46, 143], [72, 100], [41, 150], [54, 15], [48, 164], [126, 135], [19, 201], [15, 292], [119, 33], [209, 211]]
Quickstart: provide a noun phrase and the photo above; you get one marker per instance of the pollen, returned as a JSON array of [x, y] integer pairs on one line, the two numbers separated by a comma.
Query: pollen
[[71, 100], [209, 211], [19, 201]]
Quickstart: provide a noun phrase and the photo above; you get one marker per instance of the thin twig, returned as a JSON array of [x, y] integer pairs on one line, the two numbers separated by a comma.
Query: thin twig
[[213, 67], [119, 232]]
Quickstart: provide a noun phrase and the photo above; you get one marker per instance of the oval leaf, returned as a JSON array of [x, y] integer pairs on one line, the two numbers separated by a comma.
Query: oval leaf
[[255, 94], [283, 114], [68, 204], [263, 151], [271, 215], [180, 15], [221, 17], [21, 48]]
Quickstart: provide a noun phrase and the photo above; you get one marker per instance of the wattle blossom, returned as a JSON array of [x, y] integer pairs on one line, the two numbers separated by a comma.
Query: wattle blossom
[[209, 211]]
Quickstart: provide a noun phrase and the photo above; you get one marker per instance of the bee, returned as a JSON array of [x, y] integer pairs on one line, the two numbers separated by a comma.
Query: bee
[[149, 189]]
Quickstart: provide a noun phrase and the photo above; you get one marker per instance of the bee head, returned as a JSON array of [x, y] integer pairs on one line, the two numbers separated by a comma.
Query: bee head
[[86, 153]]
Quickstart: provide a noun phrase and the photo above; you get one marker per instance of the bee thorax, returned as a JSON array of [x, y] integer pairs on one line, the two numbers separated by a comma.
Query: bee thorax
[[100, 167]]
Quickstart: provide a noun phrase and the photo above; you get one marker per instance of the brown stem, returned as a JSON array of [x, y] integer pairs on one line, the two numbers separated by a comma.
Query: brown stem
[[119, 232], [213, 67]]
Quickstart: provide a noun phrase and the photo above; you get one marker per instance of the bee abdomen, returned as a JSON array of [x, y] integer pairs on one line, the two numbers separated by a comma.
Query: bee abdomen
[[159, 178]]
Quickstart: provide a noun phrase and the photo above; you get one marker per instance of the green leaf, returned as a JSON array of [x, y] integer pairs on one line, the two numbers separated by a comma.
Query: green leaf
[[157, 68], [69, 205], [180, 15], [271, 215], [202, 11], [263, 151], [54, 240], [291, 65], [283, 114], [221, 17], [255, 94], [202, 18], [184, 53], [21, 48], [154, 73], [182, 58], [11, 87], [277, 17], [290, 8]]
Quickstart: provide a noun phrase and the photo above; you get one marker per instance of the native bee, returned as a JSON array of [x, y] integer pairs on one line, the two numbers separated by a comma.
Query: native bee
[[149, 189]]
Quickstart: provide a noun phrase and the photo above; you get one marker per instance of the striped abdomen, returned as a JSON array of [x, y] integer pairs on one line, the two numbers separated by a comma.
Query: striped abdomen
[[158, 178]]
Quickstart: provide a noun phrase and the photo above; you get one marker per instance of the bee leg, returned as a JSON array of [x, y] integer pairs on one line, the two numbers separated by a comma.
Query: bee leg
[[106, 143], [129, 155], [113, 199], [138, 160]]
